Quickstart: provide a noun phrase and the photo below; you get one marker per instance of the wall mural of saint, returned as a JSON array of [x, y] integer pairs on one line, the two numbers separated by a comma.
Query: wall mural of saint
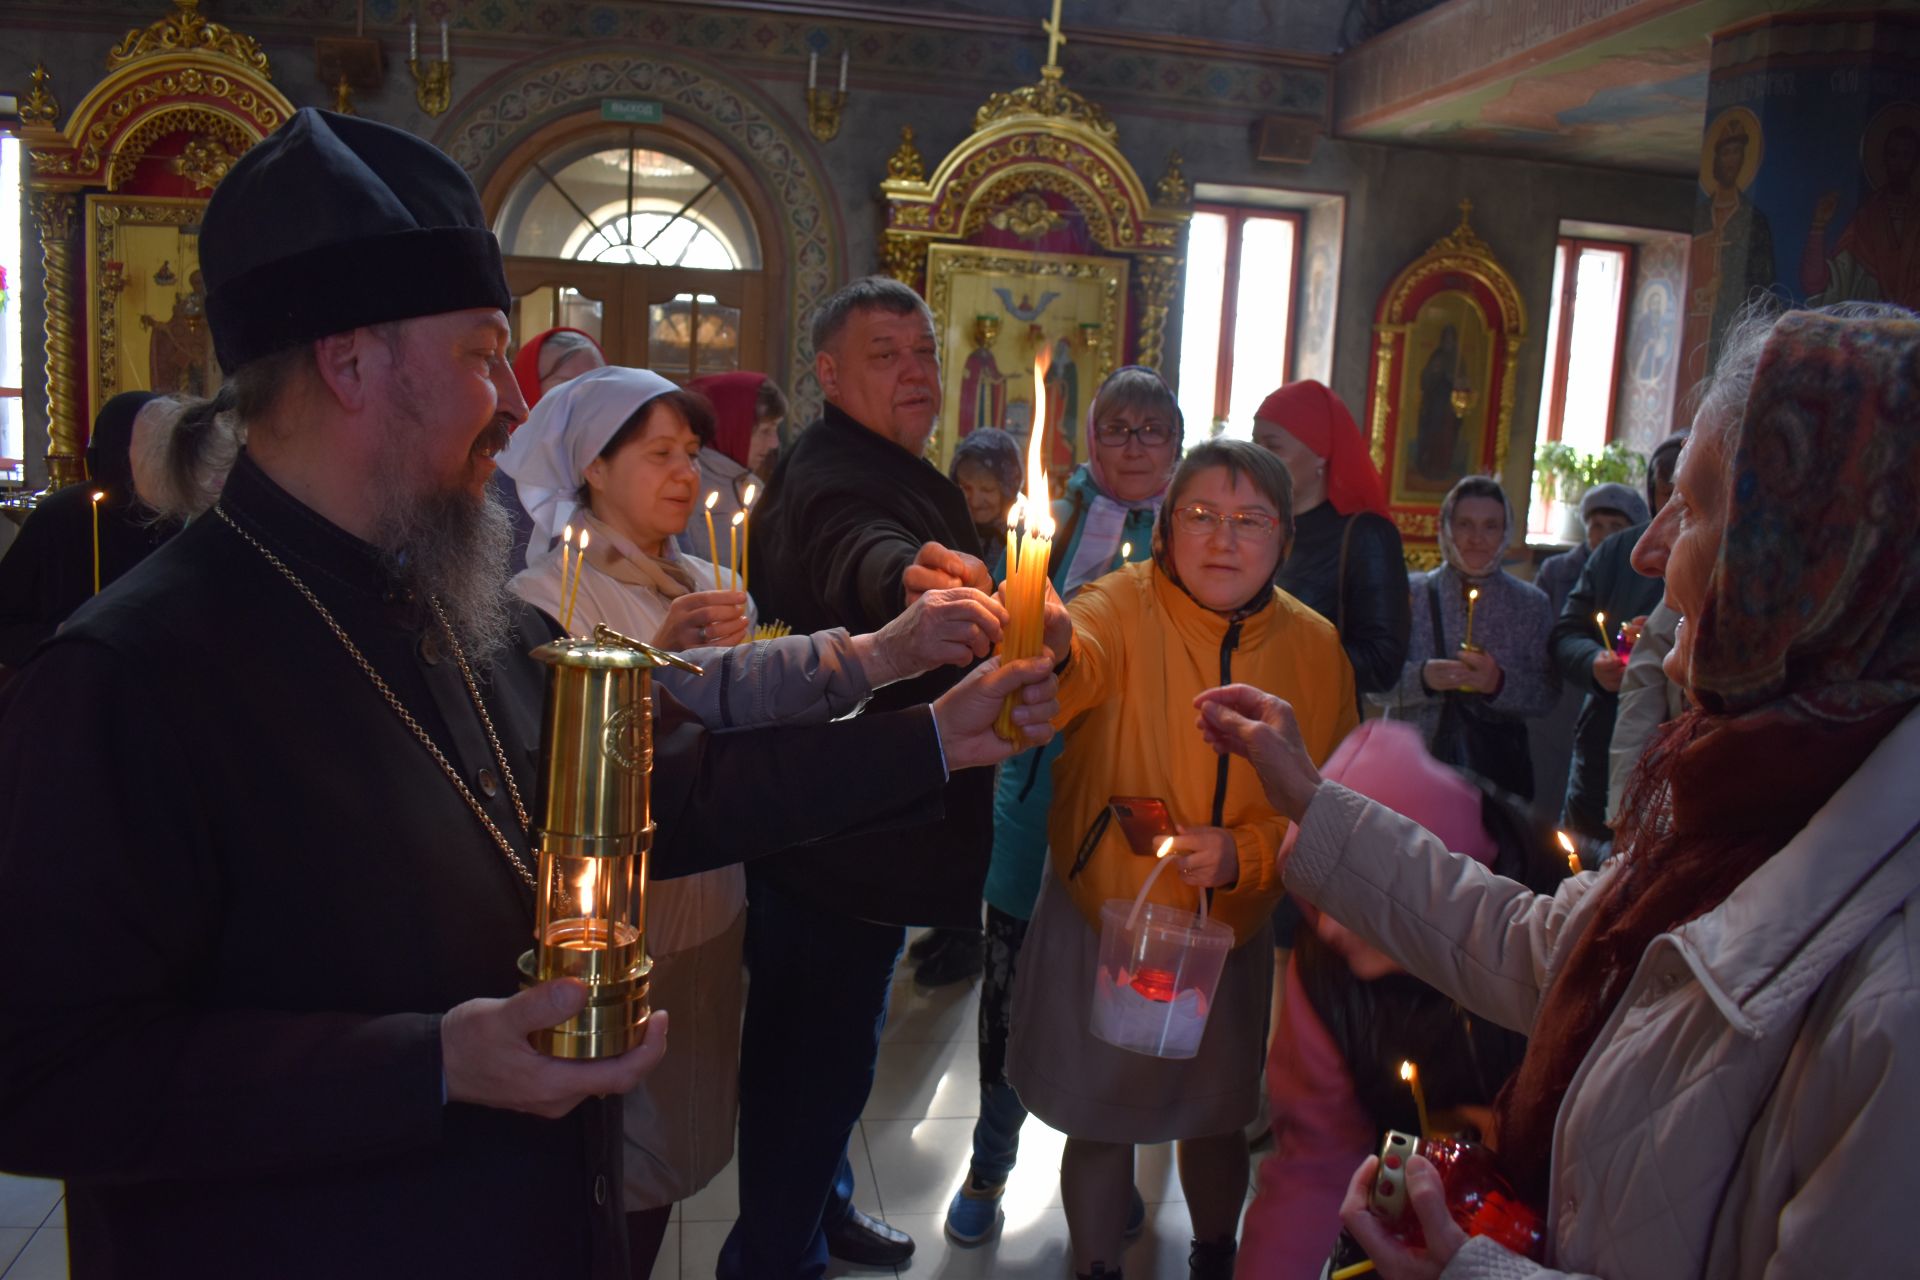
[[1876, 257], [1732, 252], [983, 387], [1063, 407]]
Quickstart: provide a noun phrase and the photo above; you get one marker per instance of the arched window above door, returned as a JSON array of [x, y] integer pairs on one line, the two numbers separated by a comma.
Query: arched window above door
[[622, 196]]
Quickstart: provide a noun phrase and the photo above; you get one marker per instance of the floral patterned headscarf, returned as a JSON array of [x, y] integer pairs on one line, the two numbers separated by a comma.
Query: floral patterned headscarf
[[1807, 655]]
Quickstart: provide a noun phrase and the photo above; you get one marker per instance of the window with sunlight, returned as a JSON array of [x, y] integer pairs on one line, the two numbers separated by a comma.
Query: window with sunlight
[[1585, 332], [1236, 329], [13, 444]]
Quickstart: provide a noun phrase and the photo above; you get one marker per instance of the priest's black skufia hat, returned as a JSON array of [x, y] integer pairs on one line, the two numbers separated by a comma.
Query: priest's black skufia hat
[[336, 222]]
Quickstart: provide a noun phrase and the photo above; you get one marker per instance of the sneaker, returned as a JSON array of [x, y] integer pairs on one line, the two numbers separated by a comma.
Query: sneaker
[[974, 1213], [1136, 1216]]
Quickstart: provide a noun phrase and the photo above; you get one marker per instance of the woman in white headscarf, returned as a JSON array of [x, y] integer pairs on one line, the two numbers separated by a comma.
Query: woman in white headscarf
[[613, 453], [1472, 700]]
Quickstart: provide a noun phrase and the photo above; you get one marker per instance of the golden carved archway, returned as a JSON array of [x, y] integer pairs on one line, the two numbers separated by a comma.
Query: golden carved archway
[[183, 98], [1039, 194]]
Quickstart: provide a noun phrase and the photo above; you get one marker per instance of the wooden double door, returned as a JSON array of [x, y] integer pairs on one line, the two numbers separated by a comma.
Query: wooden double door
[[680, 322]]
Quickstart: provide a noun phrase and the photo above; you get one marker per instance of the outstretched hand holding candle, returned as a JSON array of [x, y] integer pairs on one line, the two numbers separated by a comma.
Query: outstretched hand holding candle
[[968, 714]]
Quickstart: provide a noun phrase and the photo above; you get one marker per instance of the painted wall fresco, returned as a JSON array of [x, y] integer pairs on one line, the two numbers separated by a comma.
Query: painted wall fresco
[[1807, 172], [1646, 409]]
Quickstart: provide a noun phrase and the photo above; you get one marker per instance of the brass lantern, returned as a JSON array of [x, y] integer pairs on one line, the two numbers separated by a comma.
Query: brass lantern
[[595, 830]]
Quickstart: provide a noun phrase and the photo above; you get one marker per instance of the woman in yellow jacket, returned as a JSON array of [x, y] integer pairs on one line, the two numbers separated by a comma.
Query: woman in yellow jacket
[[1144, 641]]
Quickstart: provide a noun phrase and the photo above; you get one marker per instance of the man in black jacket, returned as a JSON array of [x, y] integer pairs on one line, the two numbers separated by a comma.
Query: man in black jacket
[[264, 842], [841, 537], [1607, 585]]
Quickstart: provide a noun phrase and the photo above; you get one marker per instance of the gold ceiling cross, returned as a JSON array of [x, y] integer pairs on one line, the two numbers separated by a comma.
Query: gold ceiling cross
[[1054, 37]]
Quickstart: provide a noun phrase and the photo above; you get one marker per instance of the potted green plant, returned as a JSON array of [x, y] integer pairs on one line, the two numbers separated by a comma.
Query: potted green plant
[[1557, 465]]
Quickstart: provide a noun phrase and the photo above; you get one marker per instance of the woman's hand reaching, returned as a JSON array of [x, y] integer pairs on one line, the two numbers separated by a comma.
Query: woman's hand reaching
[[1243, 721]]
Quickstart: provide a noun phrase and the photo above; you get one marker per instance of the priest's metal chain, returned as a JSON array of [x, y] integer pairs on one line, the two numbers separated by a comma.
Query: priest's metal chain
[[400, 709]]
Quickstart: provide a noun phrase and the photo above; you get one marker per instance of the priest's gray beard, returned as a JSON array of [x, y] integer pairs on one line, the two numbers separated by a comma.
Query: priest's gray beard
[[446, 543]]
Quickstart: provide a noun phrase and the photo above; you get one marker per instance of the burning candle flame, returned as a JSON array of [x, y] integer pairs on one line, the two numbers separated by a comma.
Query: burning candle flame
[[713, 496], [1473, 593], [1407, 1072], [1166, 847], [746, 499], [1037, 508], [1126, 551], [738, 516], [1573, 854], [99, 494]]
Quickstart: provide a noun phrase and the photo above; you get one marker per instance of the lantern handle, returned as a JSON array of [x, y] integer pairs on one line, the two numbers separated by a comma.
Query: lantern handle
[[604, 634]]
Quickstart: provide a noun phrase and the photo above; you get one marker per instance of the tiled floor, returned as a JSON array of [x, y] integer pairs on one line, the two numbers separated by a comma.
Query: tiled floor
[[909, 1155]]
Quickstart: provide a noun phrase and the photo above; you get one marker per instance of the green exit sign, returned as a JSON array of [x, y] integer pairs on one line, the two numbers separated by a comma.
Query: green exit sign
[[630, 111]]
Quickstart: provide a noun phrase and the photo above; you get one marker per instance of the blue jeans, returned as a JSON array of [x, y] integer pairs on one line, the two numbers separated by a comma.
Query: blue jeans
[[996, 1134], [816, 1002]]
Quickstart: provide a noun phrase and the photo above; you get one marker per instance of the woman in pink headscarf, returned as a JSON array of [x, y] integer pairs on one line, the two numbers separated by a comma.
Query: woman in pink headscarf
[[1346, 561], [1348, 1016]]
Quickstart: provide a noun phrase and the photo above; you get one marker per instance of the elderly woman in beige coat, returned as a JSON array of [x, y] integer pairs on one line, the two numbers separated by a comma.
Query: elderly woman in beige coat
[[1723, 1075]]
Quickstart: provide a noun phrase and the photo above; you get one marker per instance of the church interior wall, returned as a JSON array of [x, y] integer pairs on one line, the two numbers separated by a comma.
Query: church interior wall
[[1391, 202]]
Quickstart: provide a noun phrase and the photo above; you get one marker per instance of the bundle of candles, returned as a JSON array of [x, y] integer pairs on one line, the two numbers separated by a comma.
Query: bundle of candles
[[1028, 549], [571, 562]]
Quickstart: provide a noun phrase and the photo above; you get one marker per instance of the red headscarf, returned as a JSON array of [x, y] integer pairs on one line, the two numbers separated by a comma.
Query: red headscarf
[[735, 398], [1314, 416], [526, 365], [1806, 654]]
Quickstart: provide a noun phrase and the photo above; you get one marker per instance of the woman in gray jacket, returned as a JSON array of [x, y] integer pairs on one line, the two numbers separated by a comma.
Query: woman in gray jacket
[[1725, 1019]]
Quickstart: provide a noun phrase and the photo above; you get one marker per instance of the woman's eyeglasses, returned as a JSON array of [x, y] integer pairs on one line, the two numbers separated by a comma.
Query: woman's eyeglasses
[[1150, 434], [1254, 526]]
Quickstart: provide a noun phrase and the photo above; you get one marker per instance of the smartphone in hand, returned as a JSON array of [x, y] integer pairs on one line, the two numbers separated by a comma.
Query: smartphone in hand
[[1144, 820]]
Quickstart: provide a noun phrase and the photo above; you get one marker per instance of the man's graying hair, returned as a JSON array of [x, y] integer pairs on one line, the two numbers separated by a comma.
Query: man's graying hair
[[206, 435], [870, 293]]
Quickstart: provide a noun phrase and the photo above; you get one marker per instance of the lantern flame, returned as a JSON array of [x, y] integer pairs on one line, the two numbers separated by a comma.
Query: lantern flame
[[586, 884]]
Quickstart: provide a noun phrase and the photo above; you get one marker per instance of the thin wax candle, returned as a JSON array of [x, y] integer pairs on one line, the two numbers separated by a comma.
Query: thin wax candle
[[713, 543], [1411, 1074], [97, 496]]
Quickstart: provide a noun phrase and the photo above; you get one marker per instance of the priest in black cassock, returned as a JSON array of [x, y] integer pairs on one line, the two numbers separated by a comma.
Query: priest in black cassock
[[264, 861]]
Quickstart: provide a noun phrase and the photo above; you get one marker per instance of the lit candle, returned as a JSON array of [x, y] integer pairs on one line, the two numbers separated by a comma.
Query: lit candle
[[813, 72], [97, 495], [843, 71], [1411, 1075], [733, 551], [1600, 621], [566, 565], [713, 543], [1126, 552], [1025, 589], [1573, 854], [1473, 598], [746, 526], [573, 596]]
